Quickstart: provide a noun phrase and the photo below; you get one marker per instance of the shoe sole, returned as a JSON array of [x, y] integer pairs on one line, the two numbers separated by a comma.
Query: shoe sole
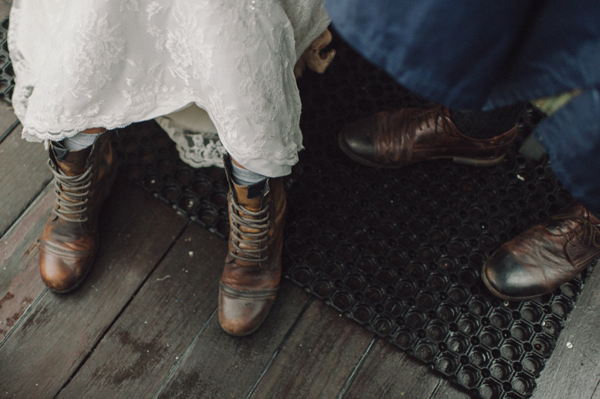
[[241, 335], [459, 160]]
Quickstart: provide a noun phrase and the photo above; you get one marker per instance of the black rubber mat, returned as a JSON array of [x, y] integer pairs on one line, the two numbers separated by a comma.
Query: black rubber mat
[[7, 83], [398, 251]]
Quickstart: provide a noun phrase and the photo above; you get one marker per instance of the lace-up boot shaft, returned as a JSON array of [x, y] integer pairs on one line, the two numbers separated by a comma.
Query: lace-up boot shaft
[[409, 135], [252, 270], [544, 257], [82, 181]]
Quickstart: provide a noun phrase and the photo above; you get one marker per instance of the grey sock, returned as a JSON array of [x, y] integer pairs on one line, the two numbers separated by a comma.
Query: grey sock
[[80, 141], [245, 177]]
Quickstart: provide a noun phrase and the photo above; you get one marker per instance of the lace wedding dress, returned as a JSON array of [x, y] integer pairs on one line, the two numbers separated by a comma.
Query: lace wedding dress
[[221, 67]]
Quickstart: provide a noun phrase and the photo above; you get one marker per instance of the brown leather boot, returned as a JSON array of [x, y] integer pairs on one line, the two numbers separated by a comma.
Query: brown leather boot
[[82, 181], [252, 271], [410, 135], [544, 257]]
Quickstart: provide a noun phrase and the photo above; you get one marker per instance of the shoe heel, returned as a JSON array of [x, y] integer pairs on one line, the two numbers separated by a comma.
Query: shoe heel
[[478, 162]]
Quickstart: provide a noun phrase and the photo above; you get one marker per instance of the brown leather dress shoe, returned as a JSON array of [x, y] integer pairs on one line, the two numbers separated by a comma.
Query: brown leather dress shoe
[[409, 135], [82, 181], [542, 258], [252, 271]]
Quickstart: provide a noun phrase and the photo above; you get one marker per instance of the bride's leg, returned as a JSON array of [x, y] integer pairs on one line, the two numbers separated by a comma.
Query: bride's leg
[[252, 272], [255, 106]]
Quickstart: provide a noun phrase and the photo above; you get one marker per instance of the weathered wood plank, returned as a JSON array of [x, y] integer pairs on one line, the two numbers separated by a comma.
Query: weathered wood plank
[[447, 390], [318, 357], [573, 370], [136, 354], [388, 372], [20, 283], [5, 9], [50, 341], [8, 120], [218, 365], [23, 174]]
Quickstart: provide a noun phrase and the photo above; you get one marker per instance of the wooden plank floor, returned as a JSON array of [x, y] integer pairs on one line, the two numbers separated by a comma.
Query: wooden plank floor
[[144, 323]]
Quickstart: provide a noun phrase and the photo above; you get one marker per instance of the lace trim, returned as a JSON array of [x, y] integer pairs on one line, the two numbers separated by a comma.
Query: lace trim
[[131, 60], [197, 149]]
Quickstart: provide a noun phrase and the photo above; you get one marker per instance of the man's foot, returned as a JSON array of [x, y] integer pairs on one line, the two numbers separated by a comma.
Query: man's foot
[[252, 271], [409, 135], [82, 181], [542, 258]]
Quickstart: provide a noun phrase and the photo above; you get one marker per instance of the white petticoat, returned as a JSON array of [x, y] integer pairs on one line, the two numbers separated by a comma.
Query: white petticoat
[[105, 63]]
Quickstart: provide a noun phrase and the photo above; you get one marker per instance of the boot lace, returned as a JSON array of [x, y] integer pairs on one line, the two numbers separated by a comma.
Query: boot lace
[[71, 194], [433, 116], [586, 232], [259, 221]]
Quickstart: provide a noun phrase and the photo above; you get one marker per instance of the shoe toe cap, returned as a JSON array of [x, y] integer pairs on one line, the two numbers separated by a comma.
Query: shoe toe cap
[[357, 141], [509, 278], [62, 274]]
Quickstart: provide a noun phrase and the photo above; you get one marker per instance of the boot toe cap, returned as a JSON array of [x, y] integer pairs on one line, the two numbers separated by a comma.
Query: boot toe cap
[[241, 314], [62, 274]]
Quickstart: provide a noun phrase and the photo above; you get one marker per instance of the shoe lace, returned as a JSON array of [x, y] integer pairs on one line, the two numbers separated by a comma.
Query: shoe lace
[[434, 115], [586, 232], [257, 221], [71, 194]]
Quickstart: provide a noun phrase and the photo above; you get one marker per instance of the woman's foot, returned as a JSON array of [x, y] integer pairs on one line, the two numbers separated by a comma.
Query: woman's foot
[[82, 181], [252, 270]]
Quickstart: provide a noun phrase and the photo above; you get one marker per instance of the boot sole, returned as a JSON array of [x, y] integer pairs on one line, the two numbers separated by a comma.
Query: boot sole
[[241, 335], [248, 332], [459, 160]]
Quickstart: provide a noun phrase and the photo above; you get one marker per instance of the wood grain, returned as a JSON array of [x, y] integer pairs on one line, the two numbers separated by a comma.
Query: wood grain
[[8, 120], [573, 370], [136, 354], [447, 390], [218, 365], [20, 282], [51, 341], [5, 8], [23, 175], [389, 373], [317, 359]]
